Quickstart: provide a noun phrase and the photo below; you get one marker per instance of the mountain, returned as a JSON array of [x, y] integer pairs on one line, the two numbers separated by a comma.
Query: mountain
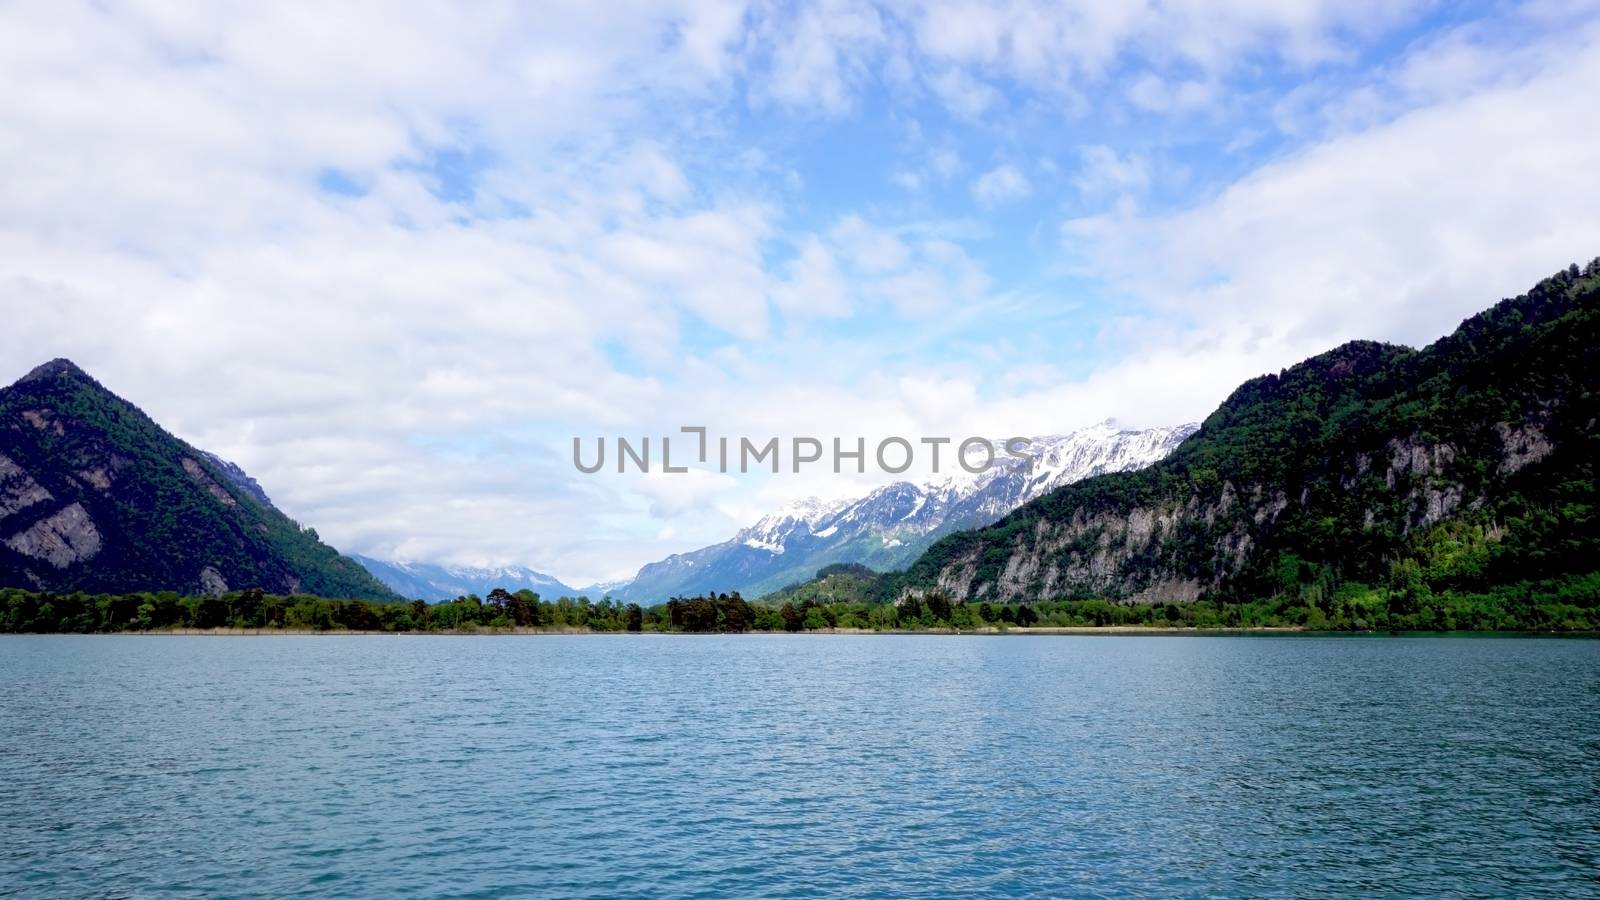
[[1465, 466], [237, 477], [437, 584], [96, 497], [890, 526]]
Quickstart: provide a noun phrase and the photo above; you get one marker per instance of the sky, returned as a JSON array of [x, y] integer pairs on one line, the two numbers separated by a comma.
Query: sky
[[392, 259]]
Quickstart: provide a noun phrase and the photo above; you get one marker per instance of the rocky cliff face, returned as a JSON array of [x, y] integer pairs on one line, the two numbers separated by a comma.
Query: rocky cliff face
[[238, 477], [94, 496], [1470, 461]]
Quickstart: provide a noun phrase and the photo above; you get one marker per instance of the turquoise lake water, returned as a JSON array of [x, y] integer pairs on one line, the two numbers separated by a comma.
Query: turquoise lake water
[[798, 766]]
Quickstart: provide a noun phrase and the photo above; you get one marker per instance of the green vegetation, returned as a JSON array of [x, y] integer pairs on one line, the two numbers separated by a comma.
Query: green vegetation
[[843, 583], [163, 512], [31, 612], [1405, 602], [1561, 605], [1462, 474]]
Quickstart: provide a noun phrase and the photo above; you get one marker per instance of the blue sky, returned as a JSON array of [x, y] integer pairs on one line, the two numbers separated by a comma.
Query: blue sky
[[392, 262]]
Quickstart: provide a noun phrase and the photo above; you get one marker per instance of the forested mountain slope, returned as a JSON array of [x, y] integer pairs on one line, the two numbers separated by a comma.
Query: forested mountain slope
[[1461, 466], [96, 497]]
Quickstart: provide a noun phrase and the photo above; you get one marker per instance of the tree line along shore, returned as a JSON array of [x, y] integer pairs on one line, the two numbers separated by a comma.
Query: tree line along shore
[[1567, 605]]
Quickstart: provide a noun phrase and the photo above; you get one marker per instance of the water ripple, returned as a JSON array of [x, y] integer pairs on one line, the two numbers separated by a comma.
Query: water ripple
[[798, 766]]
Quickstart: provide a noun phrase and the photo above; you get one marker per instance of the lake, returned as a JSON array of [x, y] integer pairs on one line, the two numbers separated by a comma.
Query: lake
[[798, 765]]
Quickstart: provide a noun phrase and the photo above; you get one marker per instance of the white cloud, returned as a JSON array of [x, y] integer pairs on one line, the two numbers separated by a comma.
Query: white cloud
[[1104, 171], [965, 95], [821, 53], [1462, 61], [909, 180], [917, 273], [392, 364], [675, 494], [936, 164], [871, 249], [1054, 45], [1001, 184], [1396, 232], [164, 227], [945, 162], [815, 286], [1153, 93]]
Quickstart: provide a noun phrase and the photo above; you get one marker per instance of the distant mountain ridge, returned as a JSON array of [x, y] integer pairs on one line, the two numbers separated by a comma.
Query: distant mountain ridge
[[96, 497], [436, 583], [892, 525]]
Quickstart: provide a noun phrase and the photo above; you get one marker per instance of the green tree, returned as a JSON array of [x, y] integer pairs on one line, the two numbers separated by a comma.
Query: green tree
[[963, 618], [249, 608], [211, 612], [529, 603]]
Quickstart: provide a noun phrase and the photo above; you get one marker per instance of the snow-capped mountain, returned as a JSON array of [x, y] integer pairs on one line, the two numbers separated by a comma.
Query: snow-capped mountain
[[773, 530], [441, 583], [889, 527]]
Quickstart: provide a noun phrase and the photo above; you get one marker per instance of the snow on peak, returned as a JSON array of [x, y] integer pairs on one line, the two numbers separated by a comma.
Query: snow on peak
[[756, 543], [887, 526], [812, 510], [807, 513]]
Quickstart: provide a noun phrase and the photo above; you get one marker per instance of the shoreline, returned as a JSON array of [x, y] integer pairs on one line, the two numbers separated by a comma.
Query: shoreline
[[1038, 631]]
